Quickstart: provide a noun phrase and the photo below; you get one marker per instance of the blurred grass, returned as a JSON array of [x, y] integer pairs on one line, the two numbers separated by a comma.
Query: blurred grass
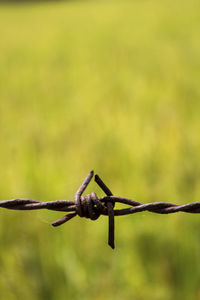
[[112, 86]]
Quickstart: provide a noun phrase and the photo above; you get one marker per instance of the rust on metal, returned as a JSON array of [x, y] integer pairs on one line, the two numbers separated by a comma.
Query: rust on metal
[[92, 207]]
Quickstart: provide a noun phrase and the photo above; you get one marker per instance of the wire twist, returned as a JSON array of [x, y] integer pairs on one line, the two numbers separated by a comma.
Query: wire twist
[[92, 207]]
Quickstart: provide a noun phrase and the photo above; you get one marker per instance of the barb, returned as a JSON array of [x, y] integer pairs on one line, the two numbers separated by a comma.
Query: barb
[[92, 207], [110, 205]]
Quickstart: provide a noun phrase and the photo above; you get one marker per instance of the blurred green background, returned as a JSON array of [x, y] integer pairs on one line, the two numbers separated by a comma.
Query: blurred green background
[[111, 86]]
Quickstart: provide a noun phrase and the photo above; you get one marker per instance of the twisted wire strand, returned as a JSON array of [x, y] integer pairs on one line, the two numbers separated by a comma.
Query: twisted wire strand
[[69, 206], [92, 207]]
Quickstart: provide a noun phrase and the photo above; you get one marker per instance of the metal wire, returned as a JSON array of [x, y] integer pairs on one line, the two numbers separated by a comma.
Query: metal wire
[[92, 207]]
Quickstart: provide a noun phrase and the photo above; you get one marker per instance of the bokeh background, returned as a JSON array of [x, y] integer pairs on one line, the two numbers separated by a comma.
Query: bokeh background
[[111, 86]]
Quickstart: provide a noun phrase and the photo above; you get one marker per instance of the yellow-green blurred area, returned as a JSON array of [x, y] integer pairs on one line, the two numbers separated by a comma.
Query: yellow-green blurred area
[[112, 86]]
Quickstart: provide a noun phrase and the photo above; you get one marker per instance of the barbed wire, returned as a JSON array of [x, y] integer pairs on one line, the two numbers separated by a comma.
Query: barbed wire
[[92, 207]]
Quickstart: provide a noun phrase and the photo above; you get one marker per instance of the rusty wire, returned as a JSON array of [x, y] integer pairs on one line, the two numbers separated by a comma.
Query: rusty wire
[[92, 207]]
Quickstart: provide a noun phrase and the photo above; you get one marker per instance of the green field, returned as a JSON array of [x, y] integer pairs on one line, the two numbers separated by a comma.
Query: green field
[[115, 87]]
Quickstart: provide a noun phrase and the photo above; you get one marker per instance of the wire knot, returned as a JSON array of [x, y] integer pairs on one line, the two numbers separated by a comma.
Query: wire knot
[[88, 206]]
